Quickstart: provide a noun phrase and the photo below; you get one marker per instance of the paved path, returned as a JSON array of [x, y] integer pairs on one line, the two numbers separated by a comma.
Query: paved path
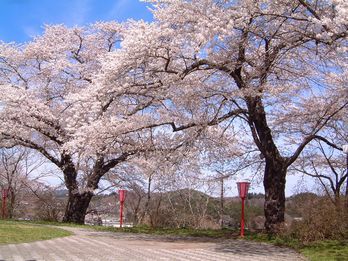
[[102, 246]]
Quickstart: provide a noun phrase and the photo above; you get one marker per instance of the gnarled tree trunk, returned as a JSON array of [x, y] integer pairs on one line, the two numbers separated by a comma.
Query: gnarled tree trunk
[[274, 184], [78, 201], [77, 206], [276, 165]]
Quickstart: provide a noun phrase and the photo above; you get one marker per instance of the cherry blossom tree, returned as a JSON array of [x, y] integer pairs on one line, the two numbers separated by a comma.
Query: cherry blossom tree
[[39, 81], [281, 63], [53, 102], [36, 78], [276, 69]]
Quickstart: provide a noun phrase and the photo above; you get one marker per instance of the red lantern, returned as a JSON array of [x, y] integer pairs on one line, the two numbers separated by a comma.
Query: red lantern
[[243, 188], [122, 195]]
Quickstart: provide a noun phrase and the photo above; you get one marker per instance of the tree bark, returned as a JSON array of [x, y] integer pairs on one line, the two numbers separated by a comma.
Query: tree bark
[[274, 184], [135, 211], [146, 212], [76, 207], [276, 165], [78, 202]]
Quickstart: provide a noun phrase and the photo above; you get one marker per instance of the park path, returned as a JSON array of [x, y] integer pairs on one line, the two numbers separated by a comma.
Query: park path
[[92, 245]]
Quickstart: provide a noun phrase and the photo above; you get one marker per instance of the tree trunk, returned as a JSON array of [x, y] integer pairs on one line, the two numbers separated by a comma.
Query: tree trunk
[[276, 165], [78, 202], [146, 211], [12, 202], [136, 210], [274, 184], [77, 206]]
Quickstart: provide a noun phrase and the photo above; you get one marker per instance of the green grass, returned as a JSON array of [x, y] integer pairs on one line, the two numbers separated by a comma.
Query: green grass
[[326, 250], [184, 232], [19, 232], [51, 223], [275, 240]]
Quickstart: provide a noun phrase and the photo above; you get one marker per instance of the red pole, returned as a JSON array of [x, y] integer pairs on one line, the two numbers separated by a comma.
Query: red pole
[[121, 213], [122, 195], [242, 220], [243, 192]]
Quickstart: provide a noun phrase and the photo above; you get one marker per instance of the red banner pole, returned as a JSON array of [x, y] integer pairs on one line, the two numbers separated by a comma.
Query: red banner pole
[[242, 220], [121, 213]]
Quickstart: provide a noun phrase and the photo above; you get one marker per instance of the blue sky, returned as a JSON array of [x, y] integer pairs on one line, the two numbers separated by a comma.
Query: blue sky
[[22, 19]]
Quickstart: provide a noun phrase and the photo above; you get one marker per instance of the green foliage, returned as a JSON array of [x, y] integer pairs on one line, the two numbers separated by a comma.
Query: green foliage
[[19, 232]]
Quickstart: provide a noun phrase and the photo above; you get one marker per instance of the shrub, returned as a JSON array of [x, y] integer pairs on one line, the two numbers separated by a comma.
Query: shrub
[[320, 220], [48, 208]]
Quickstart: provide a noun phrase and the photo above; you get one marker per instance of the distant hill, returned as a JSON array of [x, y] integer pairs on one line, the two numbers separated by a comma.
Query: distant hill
[[61, 193]]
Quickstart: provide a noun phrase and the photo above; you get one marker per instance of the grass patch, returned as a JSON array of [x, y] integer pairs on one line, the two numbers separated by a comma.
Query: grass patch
[[19, 232], [275, 240], [184, 232], [326, 250], [51, 223]]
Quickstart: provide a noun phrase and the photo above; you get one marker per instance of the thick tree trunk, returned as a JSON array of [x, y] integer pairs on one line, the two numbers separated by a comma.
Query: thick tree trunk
[[276, 165], [274, 184], [76, 207], [78, 202]]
